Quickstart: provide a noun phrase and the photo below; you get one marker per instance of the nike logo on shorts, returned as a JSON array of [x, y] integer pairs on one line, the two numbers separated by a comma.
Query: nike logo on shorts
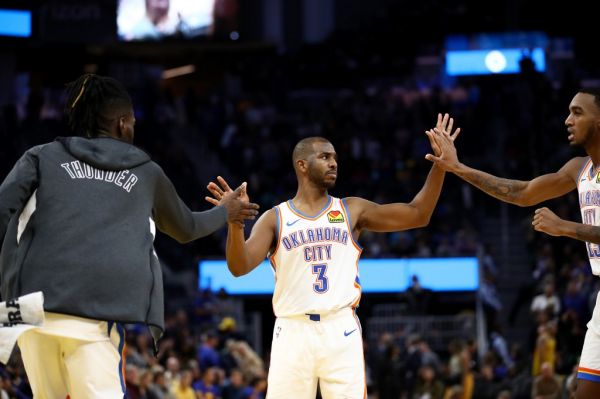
[[292, 223], [348, 333]]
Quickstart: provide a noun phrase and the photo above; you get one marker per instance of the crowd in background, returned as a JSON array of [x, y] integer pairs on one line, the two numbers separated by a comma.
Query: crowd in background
[[249, 122]]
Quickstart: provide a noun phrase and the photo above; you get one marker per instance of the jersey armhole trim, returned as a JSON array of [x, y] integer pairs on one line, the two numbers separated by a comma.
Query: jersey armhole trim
[[349, 224], [582, 171]]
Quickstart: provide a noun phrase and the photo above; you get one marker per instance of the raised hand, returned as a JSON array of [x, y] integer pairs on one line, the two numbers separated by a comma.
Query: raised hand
[[444, 124], [236, 202], [217, 190], [442, 139]]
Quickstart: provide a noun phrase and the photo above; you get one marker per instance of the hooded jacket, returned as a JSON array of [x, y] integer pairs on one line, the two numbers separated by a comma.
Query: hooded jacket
[[78, 219]]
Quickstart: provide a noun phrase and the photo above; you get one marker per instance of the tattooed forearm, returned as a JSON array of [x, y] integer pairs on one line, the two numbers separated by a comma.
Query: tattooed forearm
[[504, 189], [588, 233]]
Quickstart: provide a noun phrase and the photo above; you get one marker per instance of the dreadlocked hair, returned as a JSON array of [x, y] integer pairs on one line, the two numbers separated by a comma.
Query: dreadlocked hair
[[93, 101]]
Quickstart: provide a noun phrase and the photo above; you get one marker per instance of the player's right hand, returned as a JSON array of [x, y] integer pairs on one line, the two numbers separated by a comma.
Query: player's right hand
[[442, 143], [220, 188]]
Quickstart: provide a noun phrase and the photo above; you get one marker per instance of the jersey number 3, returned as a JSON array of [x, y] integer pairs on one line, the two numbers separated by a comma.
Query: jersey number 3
[[321, 285]]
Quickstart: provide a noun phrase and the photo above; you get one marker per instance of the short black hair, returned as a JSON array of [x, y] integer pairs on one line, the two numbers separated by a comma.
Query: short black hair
[[594, 92], [305, 147], [92, 101]]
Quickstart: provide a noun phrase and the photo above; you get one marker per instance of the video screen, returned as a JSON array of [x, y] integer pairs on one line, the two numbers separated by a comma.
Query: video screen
[[160, 19], [488, 62], [15, 23], [376, 276]]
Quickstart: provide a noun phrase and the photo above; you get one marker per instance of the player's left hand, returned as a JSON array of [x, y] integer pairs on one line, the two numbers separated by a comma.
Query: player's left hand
[[546, 221], [444, 126]]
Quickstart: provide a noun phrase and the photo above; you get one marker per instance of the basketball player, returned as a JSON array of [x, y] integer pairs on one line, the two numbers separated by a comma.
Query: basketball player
[[583, 126], [78, 218], [313, 248]]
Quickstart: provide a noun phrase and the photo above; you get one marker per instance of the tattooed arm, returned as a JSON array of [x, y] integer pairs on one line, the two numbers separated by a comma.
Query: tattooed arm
[[518, 192]]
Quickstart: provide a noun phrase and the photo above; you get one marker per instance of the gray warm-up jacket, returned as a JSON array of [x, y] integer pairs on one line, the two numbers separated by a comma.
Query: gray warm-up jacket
[[78, 219]]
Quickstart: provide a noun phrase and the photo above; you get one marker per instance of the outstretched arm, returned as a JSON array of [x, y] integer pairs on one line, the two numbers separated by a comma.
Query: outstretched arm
[[401, 216], [518, 192], [398, 216], [174, 218], [243, 255]]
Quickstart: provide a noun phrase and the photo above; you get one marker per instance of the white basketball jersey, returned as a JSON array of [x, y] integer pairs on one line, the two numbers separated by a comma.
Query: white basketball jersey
[[588, 185], [315, 260]]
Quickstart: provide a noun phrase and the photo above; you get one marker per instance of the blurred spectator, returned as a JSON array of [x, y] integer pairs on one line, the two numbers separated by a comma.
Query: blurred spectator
[[546, 300], [140, 352], [490, 299], [207, 353], [413, 363], [390, 371], [569, 340], [172, 372], [545, 349], [504, 395], [500, 347], [418, 297], [247, 360], [208, 386], [455, 392], [257, 389], [182, 389], [132, 382], [546, 385], [159, 389], [429, 357], [428, 385], [574, 299], [228, 329], [205, 309], [234, 386], [457, 365], [145, 382], [485, 386]]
